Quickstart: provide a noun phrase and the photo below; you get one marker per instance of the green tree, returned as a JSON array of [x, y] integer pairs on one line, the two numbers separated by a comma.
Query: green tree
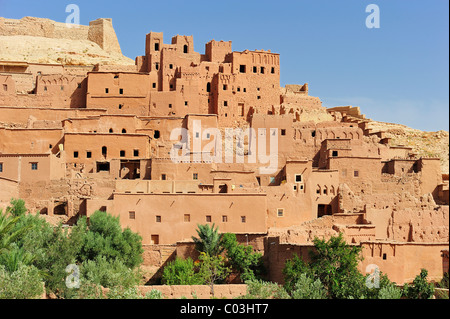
[[308, 288], [17, 208], [335, 263], [180, 272], [209, 240], [242, 258], [9, 233], [212, 270], [420, 288]]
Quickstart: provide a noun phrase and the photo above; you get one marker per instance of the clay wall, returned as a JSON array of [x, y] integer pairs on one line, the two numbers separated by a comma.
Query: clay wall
[[172, 209], [29, 141]]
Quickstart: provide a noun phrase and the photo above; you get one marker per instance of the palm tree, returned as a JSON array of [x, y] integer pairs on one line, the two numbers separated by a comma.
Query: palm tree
[[209, 241], [7, 233]]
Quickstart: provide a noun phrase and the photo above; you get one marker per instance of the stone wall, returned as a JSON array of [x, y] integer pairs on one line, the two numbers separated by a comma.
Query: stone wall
[[197, 291]]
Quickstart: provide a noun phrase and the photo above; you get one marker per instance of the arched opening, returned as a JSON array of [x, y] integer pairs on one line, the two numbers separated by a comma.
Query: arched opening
[[208, 87], [111, 130], [124, 131], [60, 209]]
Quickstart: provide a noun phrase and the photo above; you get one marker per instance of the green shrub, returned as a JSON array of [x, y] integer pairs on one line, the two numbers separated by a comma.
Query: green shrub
[[308, 288], [180, 272], [24, 283], [259, 289], [420, 288], [390, 292]]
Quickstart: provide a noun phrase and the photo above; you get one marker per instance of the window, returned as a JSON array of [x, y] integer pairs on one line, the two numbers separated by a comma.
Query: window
[[116, 76], [111, 130], [136, 153], [157, 134], [187, 218], [104, 151], [208, 135], [154, 240], [120, 106], [384, 256], [185, 49], [88, 154], [171, 66], [1, 167], [170, 106], [62, 87], [157, 66], [243, 219], [124, 131], [208, 87], [356, 173], [295, 187], [186, 103], [280, 212], [262, 70], [242, 68], [283, 132], [122, 153], [259, 97], [272, 179], [34, 166], [50, 146], [195, 176], [224, 219], [239, 89], [75, 154], [5, 87], [158, 219], [208, 219], [225, 87], [225, 103], [313, 133], [106, 90], [273, 71], [45, 89], [335, 153], [255, 69], [132, 215], [163, 177], [156, 46], [197, 135], [154, 85], [298, 178], [120, 91]]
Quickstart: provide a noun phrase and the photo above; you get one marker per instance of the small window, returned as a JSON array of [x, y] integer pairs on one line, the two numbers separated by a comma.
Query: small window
[[154, 240], [187, 218], [170, 106], [122, 153], [225, 87], [335, 153], [313, 133], [273, 71], [259, 97], [186, 103], [295, 187], [106, 90], [242, 68], [156, 46], [136, 153], [224, 219], [132, 215], [157, 66], [124, 131], [226, 114], [104, 151], [243, 219], [62, 87], [283, 132], [116, 76], [262, 70], [171, 66], [239, 89], [163, 177], [280, 212], [384, 256], [88, 154], [208, 135], [1, 167], [158, 219], [50, 146], [75, 154], [120, 91], [195, 176], [356, 173], [185, 49], [225, 103], [298, 178], [120, 106], [154, 85], [111, 130], [79, 85], [255, 69], [157, 134], [208, 219], [208, 87], [34, 166], [45, 89], [197, 135]]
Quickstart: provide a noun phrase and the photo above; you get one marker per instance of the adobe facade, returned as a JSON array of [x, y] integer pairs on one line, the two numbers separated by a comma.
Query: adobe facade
[[149, 143]]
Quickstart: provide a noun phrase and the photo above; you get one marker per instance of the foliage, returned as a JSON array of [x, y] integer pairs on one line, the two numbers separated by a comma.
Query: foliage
[[104, 237], [308, 288], [212, 270], [209, 240], [180, 272], [421, 288], [17, 207], [242, 258], [154, 294], [390, 292], [335, 263], [259, 289], [108, 273], [24, 283], [14, 257], [444, 281], [8, 231]]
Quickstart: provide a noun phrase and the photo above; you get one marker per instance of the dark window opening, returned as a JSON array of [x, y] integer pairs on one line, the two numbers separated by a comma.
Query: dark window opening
[[88, 154], [136, 153], [283, 132], [124, 131], [170, 66], [34, 166], [255, 69], [79, 85], [157, 134], [262, 70], [154, 85], [223, 189], [323, 210], [242, 68], [356, 173], [104, 151], [103, 167], [225, 103], [335, 153], [170, 106], [50, 146], [273, 71], [163, 177], [75, 154], [384, 256], [313, 133], [1, 167], [298, 178], [111, 130], [120, 91], [158, 219], [106, 90], [157, 66], [224, 87], [122, 153], [120, 106], [132, 215], [60, 209], [186, 103], [208, 219], [208, 87], [258, 179], [195, 176], [243, 219], [185, 49], [156, 46]]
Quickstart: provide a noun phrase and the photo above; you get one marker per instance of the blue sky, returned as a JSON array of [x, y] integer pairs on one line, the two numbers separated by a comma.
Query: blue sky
[[398, 73]]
